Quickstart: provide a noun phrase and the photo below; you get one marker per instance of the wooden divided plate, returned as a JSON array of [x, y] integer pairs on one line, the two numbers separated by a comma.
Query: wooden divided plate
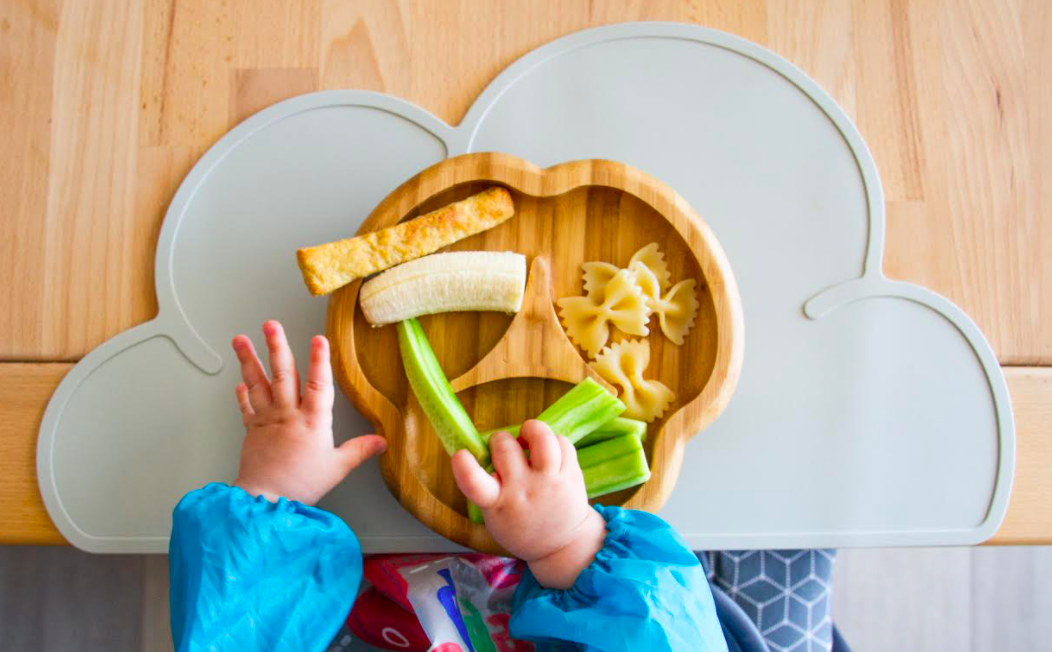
[[507, 368]]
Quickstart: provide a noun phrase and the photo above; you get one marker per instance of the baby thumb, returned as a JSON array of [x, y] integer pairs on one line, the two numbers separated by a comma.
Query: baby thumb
[[353, 452], [478, 486]]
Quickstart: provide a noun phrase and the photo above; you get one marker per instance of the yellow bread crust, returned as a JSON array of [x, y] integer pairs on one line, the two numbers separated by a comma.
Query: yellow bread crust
[[330, 266]]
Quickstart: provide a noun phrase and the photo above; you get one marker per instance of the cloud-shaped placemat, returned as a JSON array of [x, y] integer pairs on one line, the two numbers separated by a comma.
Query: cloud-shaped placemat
[[869, 412]]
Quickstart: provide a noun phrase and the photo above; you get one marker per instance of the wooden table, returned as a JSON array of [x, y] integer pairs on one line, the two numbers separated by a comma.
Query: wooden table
[[104, 106]]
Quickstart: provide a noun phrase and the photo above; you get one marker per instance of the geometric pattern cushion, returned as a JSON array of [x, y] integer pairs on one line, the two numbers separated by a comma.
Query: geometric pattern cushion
[[785, 592]]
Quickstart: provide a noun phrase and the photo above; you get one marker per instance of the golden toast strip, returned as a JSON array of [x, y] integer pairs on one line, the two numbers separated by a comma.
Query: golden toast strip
[[330, 266]]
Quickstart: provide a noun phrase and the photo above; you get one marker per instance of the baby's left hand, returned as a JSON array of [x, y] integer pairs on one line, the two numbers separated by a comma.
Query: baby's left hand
[[288, 449]]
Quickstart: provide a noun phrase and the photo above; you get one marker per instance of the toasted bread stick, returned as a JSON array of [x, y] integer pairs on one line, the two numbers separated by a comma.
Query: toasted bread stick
[[330, 266]]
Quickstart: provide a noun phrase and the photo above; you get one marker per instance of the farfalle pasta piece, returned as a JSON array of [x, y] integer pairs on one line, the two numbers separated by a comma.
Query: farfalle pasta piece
[[676, 309], [596, 276], [652, 258], [648, 283], [621, 303], [623, 364]]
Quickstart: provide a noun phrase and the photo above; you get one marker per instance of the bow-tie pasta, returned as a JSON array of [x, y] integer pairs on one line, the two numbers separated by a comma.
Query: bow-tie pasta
[[676, 308], [621, 303], [623, 364], [596, 276], [652, 258]]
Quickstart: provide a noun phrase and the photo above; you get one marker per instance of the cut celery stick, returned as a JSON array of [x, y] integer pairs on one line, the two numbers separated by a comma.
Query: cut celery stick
[[475, 513], [581, 410], [609, 466], [615, 428], [435, 395], [577, 413], [613, 465], [617, 474], [596, 454]]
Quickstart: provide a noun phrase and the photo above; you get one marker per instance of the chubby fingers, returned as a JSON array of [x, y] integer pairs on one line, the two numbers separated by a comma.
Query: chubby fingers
[[284, 386], [318, 393], [243, 402], [252, 373], [509, 460], [569, 456], [480, 487], [545, 453]]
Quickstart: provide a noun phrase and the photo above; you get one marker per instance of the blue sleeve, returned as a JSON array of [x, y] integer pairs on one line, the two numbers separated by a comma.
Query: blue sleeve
[[249, 574], [645, 591]]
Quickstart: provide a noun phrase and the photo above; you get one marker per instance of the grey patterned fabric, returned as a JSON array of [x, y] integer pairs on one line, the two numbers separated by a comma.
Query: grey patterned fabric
[[786, 593]]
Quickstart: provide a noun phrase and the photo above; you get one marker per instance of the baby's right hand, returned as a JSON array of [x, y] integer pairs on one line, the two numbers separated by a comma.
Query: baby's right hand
[[537, 508]]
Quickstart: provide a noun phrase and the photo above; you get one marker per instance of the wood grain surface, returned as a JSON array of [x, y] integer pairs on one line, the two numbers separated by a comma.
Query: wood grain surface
[[26, 389], [105, 104], [24, 393], [508, 369], [1029, 517]]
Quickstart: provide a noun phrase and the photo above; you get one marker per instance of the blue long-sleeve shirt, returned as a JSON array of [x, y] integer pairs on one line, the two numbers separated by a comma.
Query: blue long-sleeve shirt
[[248, 574]]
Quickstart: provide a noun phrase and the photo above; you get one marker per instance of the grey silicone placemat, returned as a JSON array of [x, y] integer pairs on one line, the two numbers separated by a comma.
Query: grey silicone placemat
[[869, 412]]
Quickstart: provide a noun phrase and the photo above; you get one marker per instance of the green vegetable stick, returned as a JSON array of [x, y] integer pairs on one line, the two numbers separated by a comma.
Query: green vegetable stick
[[596, 454], [609, 466], [615, 428], [475, 513], [435, 395], [615, 475], [581, 410], [577, 412], [613, 465]]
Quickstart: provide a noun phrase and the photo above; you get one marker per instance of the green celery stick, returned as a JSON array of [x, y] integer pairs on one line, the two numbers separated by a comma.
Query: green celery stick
[[577, 412], [609, 466], [613, 465], [615, 475], [475, 513], [615, 428], [581, 410], [435, 395], [596, 454]]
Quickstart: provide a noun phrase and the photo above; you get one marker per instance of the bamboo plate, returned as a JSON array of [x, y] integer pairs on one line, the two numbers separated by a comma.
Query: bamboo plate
[[506, 369]]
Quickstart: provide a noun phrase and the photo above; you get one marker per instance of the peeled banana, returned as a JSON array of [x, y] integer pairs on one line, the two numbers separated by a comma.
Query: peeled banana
[[447, 282]]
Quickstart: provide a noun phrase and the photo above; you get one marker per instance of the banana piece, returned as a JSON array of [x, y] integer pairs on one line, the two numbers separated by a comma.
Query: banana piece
[[447, 282]]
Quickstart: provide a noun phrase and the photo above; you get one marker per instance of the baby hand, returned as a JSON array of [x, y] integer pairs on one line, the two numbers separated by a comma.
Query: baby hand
[[537, 508], [288, 449]]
